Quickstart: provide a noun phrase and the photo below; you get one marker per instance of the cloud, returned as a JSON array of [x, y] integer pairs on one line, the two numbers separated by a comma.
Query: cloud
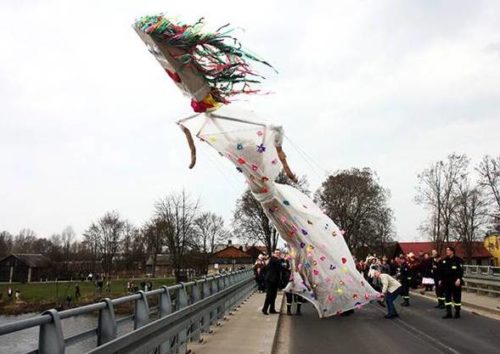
[[87, 116]]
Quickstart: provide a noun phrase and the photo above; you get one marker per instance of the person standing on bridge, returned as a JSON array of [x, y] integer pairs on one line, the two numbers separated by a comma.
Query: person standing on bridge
[[272, 278], [391, 289], [287, 275], [405, 277], [452, 274], [437, 265]]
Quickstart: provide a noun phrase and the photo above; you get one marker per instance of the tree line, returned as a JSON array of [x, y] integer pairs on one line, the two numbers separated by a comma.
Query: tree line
[[112, 244], [462, 201], [354, 199]]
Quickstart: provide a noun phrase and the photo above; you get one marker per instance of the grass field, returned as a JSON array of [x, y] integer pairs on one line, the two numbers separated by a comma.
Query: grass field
[[57, 292]]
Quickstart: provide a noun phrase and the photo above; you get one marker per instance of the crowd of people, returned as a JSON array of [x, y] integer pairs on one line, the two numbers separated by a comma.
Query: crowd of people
[[393, 278]]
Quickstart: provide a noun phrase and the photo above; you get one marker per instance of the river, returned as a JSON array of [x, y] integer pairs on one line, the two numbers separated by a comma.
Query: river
[[27, 340]]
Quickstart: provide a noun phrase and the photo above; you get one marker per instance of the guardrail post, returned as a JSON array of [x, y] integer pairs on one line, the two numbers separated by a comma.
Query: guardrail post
[[232, 299], [106, 325], [215, 289], [165, 302], [181, 302], [195, 297], [141, 313], [206, 316], [50, 337], [227, 299], [165, 308], [221, 285]]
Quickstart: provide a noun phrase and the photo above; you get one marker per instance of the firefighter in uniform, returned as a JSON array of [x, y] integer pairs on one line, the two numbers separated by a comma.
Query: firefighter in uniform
[[437, 265], [405, 277], [452, 281]]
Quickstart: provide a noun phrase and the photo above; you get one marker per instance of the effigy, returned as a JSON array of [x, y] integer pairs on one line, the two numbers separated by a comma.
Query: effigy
[[211, 68]]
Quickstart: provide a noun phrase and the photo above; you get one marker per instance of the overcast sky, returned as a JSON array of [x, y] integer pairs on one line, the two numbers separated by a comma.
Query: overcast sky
[[87, 115]]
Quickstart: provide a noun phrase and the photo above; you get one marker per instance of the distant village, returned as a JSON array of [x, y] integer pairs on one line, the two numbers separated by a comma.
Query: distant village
[[227, 257]]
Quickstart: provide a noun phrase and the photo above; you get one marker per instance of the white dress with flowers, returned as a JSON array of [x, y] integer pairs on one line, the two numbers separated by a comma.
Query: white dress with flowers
[[325, 273]]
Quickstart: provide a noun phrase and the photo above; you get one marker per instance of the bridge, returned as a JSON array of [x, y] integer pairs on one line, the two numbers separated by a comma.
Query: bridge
[[221, 314]]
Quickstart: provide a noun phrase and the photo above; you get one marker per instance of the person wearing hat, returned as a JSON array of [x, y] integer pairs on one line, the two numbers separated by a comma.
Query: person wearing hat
[[391, 289], [452, 281]]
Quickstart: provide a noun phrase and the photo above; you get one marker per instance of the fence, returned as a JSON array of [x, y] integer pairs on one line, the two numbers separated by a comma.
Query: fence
[[482, 279], [184, 311]]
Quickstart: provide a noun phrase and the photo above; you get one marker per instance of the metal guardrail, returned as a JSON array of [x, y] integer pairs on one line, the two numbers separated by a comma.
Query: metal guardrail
[[483, 271], [184, 311], [482, 279]]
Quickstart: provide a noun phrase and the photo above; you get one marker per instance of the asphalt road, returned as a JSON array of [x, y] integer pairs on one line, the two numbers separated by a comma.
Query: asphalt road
[[419, 329]]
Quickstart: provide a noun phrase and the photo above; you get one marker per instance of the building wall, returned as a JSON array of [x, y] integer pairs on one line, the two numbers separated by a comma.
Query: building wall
[[20, 271], [492, 244]]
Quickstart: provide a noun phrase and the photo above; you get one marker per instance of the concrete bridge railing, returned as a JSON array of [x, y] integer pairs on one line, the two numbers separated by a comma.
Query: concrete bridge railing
[[180, 314], [482, 279]]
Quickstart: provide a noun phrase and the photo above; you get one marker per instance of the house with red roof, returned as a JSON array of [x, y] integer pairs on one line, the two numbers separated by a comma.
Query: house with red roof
[[480, 255], [229, 259]]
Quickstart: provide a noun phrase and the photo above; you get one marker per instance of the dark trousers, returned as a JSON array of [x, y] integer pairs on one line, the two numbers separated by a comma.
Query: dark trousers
[[439, 292], [452, 292], [271, 293], [389, 300], [405, 290], [290, 298], [261, 285]]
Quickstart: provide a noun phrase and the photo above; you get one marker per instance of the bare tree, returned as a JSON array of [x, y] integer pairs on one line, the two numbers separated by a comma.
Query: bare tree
[[250, 221], [6, 243], [23, 241], [209, 231], [489, 171], [104, 238], [67, 237], [436, 192], [132, 248], [357, 203], [177, 212], [252, 224], [155, 234], [469, 216]]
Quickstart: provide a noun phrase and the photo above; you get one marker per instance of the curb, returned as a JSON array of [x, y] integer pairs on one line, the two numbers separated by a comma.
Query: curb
[[275, 337], [465, 303]]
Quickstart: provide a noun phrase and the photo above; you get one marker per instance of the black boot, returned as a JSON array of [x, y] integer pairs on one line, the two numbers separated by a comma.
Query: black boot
[[289, 310], [298, 309], [406, 303], [440, 304], [448, 312], [457, 312]]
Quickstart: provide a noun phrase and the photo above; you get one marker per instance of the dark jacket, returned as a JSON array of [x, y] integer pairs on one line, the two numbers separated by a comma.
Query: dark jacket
[[273, 271], [452, 269], [437, 265], [427, 268], [405, 273]]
